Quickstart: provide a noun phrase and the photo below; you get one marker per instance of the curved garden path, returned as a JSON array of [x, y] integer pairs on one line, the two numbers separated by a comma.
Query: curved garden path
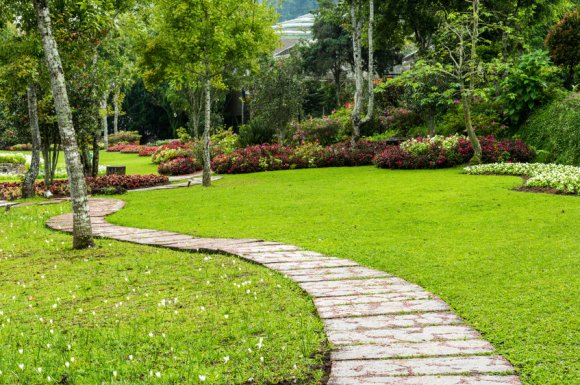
[[382, 329]]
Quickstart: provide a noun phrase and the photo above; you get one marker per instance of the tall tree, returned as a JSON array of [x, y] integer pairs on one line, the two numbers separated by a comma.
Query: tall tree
[[331, 49], [358, 16], [208, 42], [82, 231], [460, 36]]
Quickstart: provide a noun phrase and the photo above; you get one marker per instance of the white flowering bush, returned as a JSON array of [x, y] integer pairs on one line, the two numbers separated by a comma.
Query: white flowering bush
[[556, 176], [421, 146]]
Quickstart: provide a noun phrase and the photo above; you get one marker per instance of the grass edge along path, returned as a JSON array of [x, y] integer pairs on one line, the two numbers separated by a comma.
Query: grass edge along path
[[120, 313]]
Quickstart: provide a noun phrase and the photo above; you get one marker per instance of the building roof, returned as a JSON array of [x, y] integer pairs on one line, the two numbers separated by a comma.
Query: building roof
[[293, 32]]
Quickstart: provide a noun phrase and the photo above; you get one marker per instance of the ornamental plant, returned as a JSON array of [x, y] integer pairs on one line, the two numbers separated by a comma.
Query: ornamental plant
[[179, 166]]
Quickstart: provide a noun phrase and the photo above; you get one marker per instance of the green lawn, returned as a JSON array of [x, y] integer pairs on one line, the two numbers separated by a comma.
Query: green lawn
[[135, 164], [128, 314], [506, 261]]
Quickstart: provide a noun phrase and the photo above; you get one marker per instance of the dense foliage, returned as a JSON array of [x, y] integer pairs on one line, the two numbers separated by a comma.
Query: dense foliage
[[555, 129], [110, 184]]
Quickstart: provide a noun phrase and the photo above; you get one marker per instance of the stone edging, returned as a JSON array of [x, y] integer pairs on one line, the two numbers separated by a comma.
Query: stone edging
[[383, 329]]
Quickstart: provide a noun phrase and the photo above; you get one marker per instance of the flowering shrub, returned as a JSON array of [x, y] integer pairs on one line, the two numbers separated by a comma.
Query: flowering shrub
[[148, 150], [439, 151], [165, 155], [179, 166], [132, 137], [96, 185], [323, 130], [270, 157], [563, 178]]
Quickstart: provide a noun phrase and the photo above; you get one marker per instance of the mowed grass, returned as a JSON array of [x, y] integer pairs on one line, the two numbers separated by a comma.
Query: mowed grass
[[135, 164], [128, 314], [506, 261]]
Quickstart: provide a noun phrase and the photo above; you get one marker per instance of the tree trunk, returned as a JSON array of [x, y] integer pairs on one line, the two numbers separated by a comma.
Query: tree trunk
[[96, 154], [206, 181], [105, 123], [431, 123], [82, 231], [371, 72], [116, 107], [477, 153], [358, 70], [337, 74], [28, 184]]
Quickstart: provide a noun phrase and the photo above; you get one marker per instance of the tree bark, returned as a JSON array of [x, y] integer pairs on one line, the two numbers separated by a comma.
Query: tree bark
[[206, 180], [116, 107], [82, 231], [32, 174], [104, 121], [371, 72], [356, 21], [477, 153]]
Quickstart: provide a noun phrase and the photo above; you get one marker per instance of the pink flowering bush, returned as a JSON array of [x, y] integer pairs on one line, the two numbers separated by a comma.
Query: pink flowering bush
[[439, 152], [179, 166]]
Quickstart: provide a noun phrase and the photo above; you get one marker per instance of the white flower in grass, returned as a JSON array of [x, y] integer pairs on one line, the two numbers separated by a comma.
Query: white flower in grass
[[226, 359], [21, 366], [72, 359], [151, 334], [260, 344], [261, 359], [202, 378], [51, 331], [157, 374], [130, 357], [226, 316], [69, 347], [67, 364], [49, 378], [39, 370], [114, 373], [20, 351], [48, 346]]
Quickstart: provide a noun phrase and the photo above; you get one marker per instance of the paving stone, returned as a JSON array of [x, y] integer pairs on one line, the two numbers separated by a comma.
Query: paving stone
[[421, 366], [391, 321], [427, 380], [366, 286], [371, 298], [410, 349], [327, 262], [390, 335], [331, 274], [270, 258], [364, 309], [264, 248]]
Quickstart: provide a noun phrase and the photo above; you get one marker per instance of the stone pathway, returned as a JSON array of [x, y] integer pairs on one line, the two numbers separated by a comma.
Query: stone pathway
[[383, 329], [190, 181]]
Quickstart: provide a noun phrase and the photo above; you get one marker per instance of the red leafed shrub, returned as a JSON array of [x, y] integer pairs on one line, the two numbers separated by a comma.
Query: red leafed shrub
[[271, 157], [148, 150], [179, 166], [131, 149], [98, 185], [10, 191], [394, 157]]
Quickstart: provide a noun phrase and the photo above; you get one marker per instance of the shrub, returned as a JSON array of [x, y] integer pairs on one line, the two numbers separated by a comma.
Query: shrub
[[21, 147], [131, 149], [270, 157], [255, 132], [323, 130], [148, 150], [97, 185], [399, 119], [179, 166], [12, 158], [563, 178], [439, 152], [555, 129], [563, 41], [132, 137], [166, 154]]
